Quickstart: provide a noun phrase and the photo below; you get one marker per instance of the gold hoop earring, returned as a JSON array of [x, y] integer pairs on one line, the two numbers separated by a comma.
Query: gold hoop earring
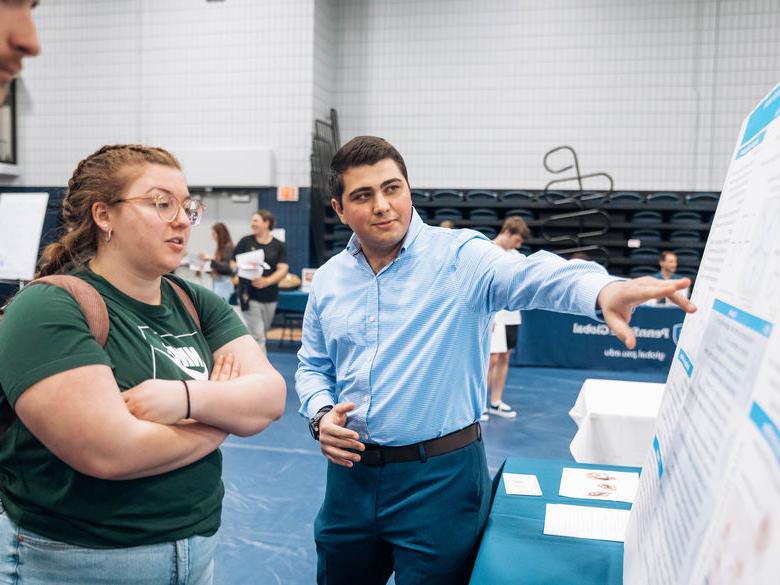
[[108, 236]]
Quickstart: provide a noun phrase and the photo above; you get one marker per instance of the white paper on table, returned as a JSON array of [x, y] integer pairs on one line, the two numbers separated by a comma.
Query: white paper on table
[[599, 484], [586, 522], [518, 484], [251, 264]]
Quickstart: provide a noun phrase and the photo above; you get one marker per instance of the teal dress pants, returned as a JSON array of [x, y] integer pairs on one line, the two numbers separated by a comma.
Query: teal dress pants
[[421, 519]]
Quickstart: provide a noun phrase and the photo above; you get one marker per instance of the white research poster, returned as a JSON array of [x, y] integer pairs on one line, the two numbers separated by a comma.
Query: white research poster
[[21, 222], [708, 505]]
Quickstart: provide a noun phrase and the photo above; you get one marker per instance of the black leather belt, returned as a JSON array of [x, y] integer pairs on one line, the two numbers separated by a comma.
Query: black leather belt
[[377, 455]]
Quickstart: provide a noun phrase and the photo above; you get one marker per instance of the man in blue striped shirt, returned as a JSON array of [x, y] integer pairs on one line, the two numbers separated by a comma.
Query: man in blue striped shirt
[[392, 371]]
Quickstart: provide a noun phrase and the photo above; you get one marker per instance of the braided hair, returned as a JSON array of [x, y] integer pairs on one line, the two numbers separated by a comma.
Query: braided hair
[[100, 177]]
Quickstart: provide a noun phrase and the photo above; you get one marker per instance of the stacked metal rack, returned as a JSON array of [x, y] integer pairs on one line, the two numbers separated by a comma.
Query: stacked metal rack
[[624, 230]]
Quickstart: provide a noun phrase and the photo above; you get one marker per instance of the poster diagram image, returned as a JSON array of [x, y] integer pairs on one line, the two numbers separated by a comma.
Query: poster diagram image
[[762, 256]]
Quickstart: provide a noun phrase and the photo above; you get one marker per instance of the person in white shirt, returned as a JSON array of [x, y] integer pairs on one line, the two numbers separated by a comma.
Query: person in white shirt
[[505, 325]]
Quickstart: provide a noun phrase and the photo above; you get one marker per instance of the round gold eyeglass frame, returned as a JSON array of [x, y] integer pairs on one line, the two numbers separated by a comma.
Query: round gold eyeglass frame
[[168, 206]]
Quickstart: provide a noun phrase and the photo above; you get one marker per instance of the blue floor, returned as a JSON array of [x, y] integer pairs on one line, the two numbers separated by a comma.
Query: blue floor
[[275, 481]]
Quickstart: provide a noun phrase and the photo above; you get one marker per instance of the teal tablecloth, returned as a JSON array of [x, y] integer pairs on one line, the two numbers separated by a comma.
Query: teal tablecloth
[[292, 301], [516, 551]]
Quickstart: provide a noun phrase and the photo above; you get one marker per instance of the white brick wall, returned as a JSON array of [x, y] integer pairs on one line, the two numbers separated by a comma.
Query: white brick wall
[[179, 74], [473, 92]]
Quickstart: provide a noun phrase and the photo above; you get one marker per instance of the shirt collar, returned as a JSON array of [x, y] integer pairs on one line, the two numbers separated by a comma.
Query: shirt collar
[[415, 227]]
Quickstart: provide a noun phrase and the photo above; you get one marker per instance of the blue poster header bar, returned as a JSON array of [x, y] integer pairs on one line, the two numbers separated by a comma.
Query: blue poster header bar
[[687, 365], [763, 115], [767, 427], [658, 459], [743, 318]]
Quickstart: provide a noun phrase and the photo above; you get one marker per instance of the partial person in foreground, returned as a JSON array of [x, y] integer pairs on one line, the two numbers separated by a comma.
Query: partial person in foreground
[[503, 338], [110, 470], [392, 369], [18, 40], [259, 296]]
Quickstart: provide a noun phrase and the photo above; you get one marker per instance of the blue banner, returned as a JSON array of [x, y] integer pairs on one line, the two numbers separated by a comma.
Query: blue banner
[[560, 340]]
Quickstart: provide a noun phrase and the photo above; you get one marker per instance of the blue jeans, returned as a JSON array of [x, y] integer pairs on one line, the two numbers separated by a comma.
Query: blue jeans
[[223, 286], [27, 558]]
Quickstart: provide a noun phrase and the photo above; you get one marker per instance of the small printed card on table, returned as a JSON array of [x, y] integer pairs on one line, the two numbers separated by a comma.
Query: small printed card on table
[[518, 484]]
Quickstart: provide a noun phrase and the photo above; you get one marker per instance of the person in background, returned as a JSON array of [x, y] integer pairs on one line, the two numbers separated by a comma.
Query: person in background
[[392, 366], [505, 325], [110, 468], [258, 297], [18, 40], [221, 270], [667, 263], [447, 224]]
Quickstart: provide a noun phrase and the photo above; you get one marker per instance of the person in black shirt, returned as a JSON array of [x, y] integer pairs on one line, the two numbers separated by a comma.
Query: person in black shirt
[[258, 297]]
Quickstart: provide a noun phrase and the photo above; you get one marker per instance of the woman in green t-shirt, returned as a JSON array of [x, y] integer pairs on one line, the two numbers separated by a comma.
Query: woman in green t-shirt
[[111, 471]]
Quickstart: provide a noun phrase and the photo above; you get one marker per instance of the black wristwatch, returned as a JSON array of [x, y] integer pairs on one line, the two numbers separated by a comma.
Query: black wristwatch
[[314, 422]]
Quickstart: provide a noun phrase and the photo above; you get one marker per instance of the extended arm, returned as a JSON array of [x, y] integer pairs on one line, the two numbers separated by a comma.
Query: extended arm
[[545, 281]]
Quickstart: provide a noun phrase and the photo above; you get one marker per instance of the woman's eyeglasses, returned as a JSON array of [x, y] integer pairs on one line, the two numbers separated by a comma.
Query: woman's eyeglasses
[[168, 206]]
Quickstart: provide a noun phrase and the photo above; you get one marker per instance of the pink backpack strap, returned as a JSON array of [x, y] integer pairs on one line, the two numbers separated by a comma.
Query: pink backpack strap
[[91, 303], [185, 299]]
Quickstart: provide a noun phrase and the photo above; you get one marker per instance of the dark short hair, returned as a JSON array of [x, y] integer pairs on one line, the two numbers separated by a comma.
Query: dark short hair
[[361, 150], [664, 254], [267, 217], [516, 226]]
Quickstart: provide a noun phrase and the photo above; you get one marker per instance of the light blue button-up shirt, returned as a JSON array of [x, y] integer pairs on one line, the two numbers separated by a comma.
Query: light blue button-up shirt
[[409, 345]]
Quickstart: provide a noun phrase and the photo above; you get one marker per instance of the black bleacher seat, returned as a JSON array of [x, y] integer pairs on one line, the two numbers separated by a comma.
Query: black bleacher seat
[[647, 217], [646, 235], [485, 196], [483, 214], [518, 196], [685, 217], [446, 196], [702, 197], [645, 254], [644, 270], [687, 256], [526, 214], [489, 231], [526, 249], [552, 196], [447, 213], [625, 197], [423, 213], [684, 236], [665, 197], [419, 196]]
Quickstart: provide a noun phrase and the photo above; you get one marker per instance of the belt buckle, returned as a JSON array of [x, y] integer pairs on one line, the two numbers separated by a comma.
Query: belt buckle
[[373, 458]]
